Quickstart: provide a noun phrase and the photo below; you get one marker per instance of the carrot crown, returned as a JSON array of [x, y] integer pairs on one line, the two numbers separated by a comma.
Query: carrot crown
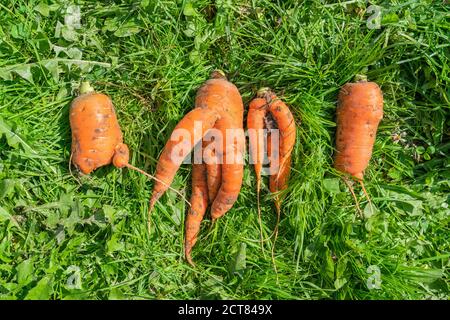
[[262, 92], [360, 78], [218, 74], [86, 87]]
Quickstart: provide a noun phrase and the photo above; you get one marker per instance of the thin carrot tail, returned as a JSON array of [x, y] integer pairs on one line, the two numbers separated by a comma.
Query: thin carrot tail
[[258, 189], [354, 196], [156, 196], [367, 195], [278, 209], [187, 254], [149, 212]]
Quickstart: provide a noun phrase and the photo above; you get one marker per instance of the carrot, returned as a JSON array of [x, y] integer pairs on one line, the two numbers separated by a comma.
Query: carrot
[[169, 162], [287, 129], [213, 169], [255, 124], [95, 131], [269, 112], [199, 203], [97, 139], [359, 112], [232, 168], [222, 96], [218, 105]]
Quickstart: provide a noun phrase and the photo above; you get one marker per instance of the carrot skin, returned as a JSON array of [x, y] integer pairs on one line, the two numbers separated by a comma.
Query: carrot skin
[[359, 112], [287, 134], [199, 203], [232, 168], [255, 124], [169, 162], [95, 131], [213, 169]]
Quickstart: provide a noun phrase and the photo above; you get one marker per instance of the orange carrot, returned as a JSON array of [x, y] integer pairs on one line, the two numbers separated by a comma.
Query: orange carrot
[[255, 125], [96, 136], [222, 96], [199, 203], [269, 112], [218, 105], [359, 112], [169, 161], [213, 169]]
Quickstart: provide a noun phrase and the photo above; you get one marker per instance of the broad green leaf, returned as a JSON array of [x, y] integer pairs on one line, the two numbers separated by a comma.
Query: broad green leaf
[[109, 212], [339, 283], [74, 53], [52, 67], [189, 9], [239, 262], [69, 34], [58, 29], [114, 244], [43, 9], [12, 139], [41, 291], [110, 25], [59, 49], [190, 30], [116, 294], [370, 210], [7, 187], [72, 19], [5, 74], [329, 265], [4, 215], [84, 66], [332, 185], [25, 272], [74, 278], [341, 267], [24, 71], [20, 31], [62, 93], [127, 29]]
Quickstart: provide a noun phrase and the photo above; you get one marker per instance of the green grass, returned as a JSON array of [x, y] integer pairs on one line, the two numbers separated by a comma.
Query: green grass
[[64, 236]]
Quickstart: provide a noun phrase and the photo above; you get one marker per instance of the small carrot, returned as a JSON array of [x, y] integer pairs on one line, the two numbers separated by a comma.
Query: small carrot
[[255, 125], [96, 135], [97, 139]]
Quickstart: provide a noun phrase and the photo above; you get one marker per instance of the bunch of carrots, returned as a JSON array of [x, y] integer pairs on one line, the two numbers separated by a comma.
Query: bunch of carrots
[[215, 127]]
